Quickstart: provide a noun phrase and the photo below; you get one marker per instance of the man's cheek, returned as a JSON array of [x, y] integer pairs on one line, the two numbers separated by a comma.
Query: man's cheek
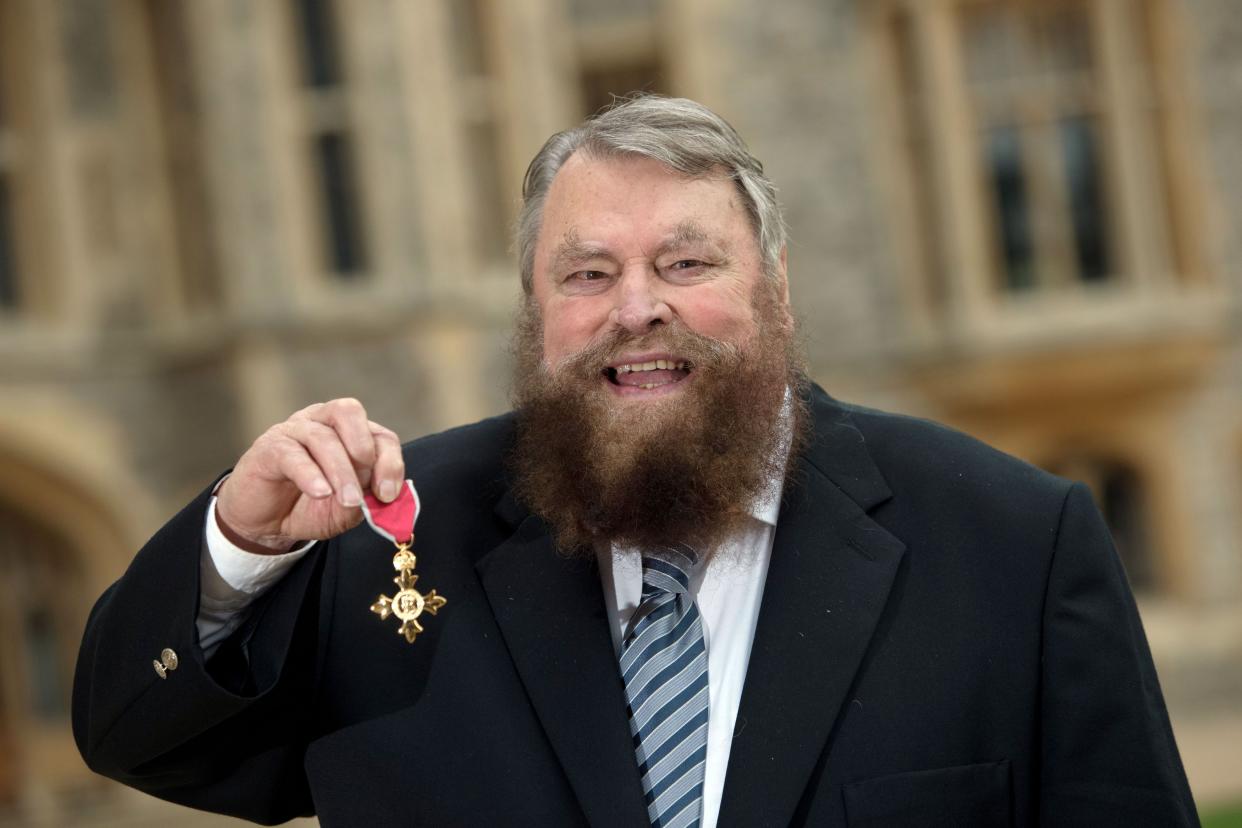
[[562, 340], [726, 323]]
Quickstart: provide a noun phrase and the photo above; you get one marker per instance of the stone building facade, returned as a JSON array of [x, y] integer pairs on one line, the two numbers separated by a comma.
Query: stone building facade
[[1016, 217]]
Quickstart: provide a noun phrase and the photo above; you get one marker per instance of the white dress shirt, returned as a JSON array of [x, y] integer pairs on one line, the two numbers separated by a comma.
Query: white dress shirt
[[728, 590], [231, 579]]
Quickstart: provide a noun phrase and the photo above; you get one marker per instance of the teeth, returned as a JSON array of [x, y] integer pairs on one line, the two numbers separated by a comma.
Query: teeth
[[657, 365]]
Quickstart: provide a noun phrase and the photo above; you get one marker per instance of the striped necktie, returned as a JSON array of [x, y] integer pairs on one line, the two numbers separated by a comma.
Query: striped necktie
[[664, 668]]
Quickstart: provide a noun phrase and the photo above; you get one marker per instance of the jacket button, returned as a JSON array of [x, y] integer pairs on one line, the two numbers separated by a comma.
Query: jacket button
[[159, 669], [169, 659]]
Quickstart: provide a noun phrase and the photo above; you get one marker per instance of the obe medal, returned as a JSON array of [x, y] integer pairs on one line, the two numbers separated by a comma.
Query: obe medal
[[395, 521]]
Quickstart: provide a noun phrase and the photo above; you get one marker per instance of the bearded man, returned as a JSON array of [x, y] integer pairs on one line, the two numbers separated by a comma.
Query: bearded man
[[685, 586]]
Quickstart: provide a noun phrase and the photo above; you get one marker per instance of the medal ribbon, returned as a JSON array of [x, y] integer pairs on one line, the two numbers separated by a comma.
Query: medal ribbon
[[395, 520]]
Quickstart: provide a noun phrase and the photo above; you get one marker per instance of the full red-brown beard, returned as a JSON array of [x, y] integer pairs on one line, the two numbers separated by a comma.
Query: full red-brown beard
[[649, 475]]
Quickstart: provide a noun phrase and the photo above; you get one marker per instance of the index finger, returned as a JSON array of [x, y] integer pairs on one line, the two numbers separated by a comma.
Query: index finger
[[348, 418], [389, 463]]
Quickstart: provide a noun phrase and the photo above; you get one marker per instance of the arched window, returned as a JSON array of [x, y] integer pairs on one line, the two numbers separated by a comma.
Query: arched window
[[42, 604]]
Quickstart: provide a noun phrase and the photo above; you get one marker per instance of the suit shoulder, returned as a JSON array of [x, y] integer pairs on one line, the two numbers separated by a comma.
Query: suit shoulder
[[913, 451], [476, 451]]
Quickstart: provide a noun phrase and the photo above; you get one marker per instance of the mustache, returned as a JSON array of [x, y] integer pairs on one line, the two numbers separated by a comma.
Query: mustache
[[702, 352]]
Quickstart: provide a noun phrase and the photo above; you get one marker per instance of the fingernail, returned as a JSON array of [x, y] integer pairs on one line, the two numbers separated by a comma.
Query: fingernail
[[350, 496], [388, 490], [320, 488]]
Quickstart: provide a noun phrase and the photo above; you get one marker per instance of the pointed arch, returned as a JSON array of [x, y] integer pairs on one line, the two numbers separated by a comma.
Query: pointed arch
[[70, 518]]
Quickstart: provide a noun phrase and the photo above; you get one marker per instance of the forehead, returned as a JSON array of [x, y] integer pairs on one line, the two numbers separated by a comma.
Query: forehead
[[635, 200]]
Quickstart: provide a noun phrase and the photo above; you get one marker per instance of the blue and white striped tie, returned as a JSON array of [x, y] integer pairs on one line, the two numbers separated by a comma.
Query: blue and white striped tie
[[664, 668]]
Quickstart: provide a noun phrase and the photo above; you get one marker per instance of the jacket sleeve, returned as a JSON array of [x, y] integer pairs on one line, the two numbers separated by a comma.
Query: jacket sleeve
[[225, 735], [1107, 751]]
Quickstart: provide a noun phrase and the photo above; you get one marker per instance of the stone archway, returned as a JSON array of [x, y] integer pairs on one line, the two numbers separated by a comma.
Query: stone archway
[[63, 538], [41, 592]]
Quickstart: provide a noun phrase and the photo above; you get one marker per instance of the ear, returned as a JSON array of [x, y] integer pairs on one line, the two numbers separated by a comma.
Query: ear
[[776, 288]]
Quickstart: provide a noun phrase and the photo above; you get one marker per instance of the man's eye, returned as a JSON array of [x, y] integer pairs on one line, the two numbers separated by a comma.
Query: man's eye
[[586, 276], [686, 264]]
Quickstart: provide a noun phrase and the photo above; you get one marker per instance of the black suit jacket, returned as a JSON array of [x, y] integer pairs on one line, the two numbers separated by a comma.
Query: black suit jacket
[[946, 638]]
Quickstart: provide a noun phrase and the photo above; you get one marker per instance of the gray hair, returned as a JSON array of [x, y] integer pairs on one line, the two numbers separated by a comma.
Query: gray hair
[[684, 136]]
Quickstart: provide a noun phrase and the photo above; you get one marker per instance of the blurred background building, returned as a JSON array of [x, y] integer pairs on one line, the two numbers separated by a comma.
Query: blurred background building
[[1018, 217]]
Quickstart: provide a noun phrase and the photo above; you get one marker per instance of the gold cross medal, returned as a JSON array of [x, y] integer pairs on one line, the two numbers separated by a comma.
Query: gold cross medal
[[395, 521]]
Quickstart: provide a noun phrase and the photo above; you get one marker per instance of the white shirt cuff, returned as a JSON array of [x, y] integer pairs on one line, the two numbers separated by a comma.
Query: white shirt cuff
[[232, 573], [231, 579]]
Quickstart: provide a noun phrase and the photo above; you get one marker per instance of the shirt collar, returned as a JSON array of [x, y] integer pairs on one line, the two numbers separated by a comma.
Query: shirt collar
[[767, 505]]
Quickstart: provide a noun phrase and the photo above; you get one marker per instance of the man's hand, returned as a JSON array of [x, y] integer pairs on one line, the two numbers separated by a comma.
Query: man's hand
[[303, 479]]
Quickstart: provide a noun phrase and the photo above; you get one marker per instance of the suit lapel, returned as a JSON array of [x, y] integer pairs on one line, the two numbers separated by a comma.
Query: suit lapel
[[831, 570], [551, 612]]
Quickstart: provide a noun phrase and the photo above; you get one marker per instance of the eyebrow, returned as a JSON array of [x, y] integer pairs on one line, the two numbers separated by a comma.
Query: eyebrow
[[690, 232], [572, 250], [686, 232]]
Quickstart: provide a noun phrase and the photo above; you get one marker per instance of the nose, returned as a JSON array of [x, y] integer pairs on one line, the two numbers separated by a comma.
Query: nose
[[639, 304]]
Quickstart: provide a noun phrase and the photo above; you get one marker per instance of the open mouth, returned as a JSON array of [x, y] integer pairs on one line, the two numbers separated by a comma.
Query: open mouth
[[650, 375]]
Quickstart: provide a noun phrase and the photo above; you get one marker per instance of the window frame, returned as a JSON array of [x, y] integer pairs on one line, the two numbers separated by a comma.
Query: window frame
[[323, 114], [940, 189], [13, 255], [473, 28]]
